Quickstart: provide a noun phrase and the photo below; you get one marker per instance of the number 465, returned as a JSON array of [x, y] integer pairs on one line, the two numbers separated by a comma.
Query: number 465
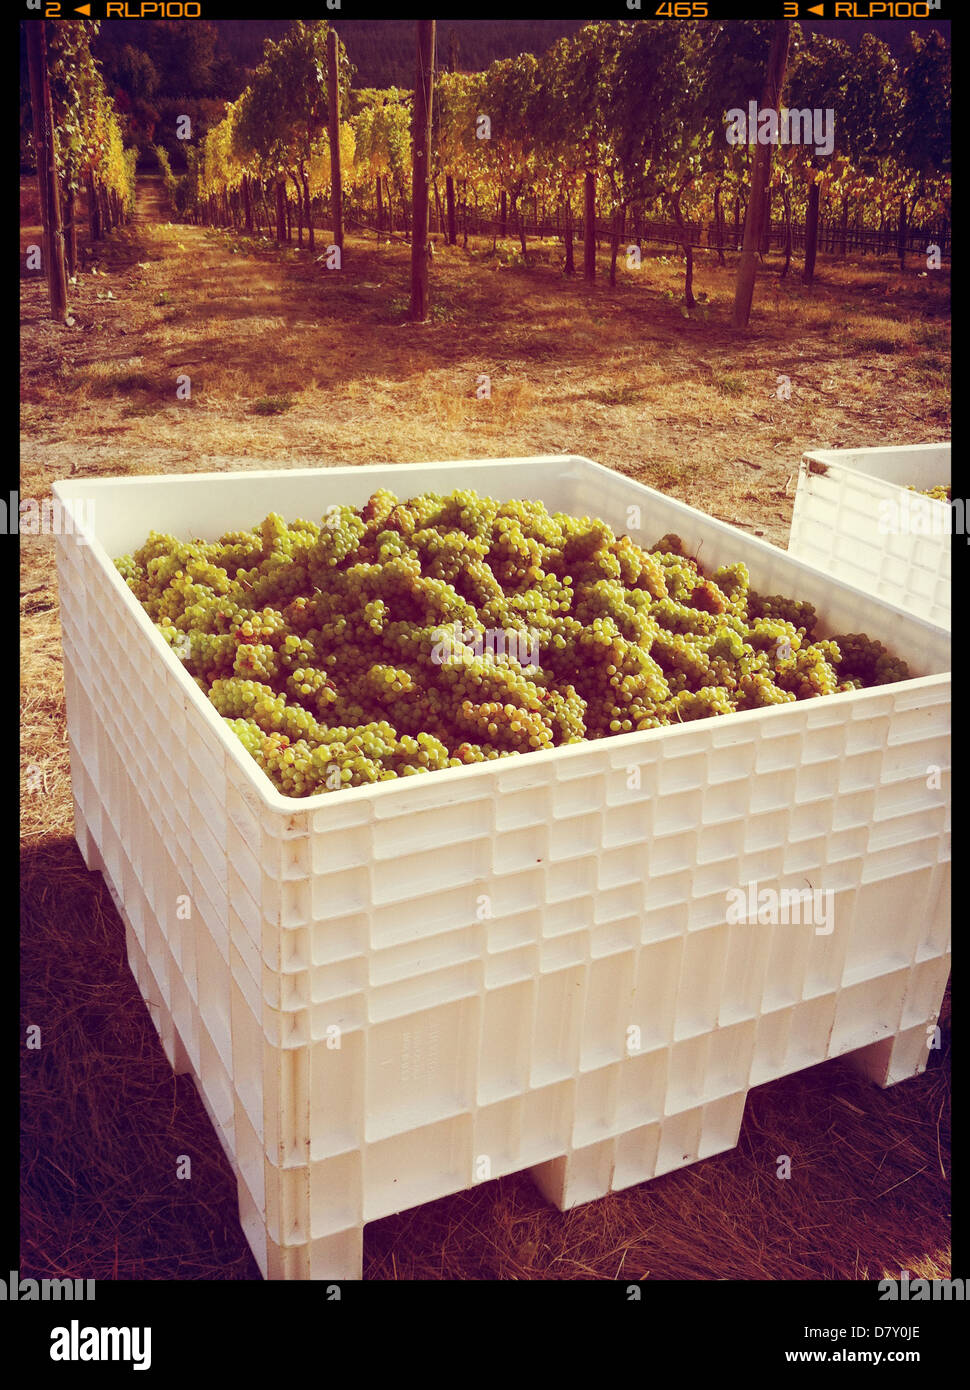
[[675, 11]]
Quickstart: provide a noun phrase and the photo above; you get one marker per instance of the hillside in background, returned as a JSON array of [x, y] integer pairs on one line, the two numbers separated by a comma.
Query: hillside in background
[[382, 50]]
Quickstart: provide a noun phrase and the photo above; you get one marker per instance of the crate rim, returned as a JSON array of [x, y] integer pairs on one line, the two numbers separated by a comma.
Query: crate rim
[[258, 782], [839, 460]]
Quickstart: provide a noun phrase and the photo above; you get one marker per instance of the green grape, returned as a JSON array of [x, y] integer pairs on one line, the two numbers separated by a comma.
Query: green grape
[[405, 637], [776, 606], [941, 492]]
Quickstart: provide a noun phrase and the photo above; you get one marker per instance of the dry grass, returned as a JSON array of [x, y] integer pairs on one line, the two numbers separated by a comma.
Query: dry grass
[[618, 375]]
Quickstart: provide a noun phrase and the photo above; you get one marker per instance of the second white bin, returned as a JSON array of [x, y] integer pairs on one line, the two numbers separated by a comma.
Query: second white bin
[[856, 517]]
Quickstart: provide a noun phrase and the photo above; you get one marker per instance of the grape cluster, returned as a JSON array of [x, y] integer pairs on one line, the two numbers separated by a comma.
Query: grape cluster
[[941, 492], [405, 637]]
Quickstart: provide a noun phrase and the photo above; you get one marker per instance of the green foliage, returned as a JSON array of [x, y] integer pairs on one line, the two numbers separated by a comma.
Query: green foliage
[[285, 106], [924, 142], [381, 122], [168, 178], [134, 71], [639, 107], [89, 139]]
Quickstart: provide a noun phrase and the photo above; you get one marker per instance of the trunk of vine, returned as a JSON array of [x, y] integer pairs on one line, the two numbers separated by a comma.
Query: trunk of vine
[[589, 227], [845, 227], [70, 231], [760, 179], [50, 201], [421, 169], [619, 219], [811, 235], [299, 210], [766, 225], [308, 205], [687, 245], [336, 177], [786, 202], [94, 208], [450, 205], [280, 211]]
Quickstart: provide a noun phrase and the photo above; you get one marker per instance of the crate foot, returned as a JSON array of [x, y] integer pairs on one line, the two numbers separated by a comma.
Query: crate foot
[[583, 1176], [327, 1259], [895, 1059], [85, 843], [338, 1256], [177, 1054], [551, 1179]]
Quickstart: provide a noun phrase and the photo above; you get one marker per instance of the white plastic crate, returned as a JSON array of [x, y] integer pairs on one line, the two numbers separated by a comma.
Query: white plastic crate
[[855, 517], [529, 963]]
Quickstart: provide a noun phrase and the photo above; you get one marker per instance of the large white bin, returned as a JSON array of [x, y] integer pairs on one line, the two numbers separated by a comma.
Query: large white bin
[[855, 517], [388, 994]]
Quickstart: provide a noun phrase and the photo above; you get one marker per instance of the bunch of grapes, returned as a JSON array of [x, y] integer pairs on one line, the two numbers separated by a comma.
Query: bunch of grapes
[[941, 492], [405, 637]]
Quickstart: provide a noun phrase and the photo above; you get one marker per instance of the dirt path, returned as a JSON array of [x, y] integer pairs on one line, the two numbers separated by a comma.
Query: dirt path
[[151, 207]]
